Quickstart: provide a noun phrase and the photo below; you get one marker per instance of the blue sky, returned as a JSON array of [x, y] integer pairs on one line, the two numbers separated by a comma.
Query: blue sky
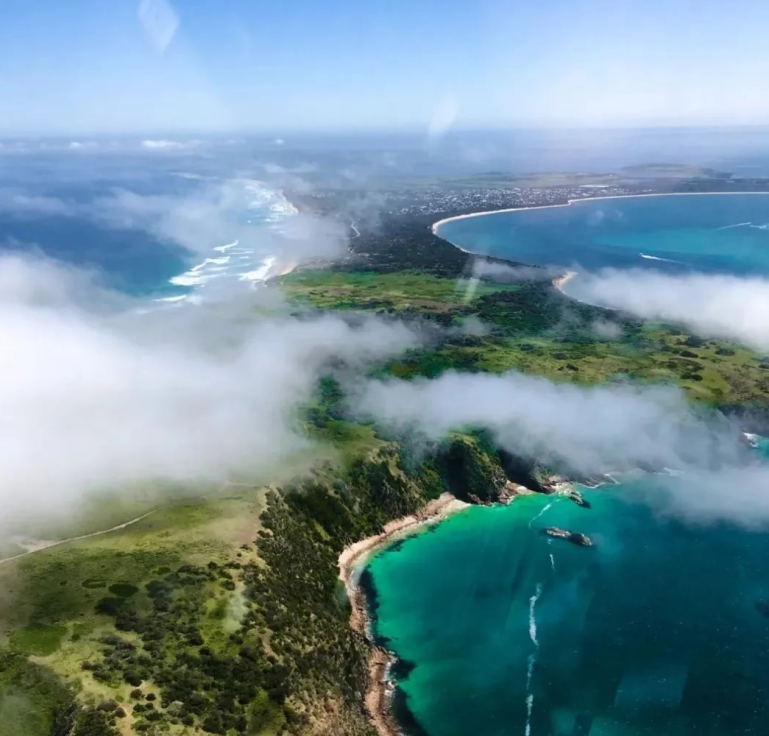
[[89, 66]]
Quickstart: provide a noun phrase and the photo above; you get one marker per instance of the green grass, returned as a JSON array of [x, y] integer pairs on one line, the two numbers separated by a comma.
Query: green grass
[[20, 715], [401, 291], [38, 639], [707, 376], [29, 695]]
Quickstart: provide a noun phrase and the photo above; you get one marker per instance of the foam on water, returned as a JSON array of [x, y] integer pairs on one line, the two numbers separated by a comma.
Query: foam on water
[[532, 617], [657, 258], [729, 227], [261, 273], [239, 261], [544, 508], [532, 657]]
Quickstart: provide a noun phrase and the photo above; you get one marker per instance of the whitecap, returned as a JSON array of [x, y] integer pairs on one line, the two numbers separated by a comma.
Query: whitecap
[[532, 615], [209, 261], [739, 224], [545, 508], [260, 274], [657, 258]]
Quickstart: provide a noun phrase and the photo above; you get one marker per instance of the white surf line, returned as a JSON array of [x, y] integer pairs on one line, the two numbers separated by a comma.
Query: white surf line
[[577, 200], [729, 227], [117, 528], [532, 657], [225, 248], [657, 258], [532, 618], [540, 513]]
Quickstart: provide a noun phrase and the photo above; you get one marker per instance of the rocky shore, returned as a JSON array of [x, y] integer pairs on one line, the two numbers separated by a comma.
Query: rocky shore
[[353, 557]]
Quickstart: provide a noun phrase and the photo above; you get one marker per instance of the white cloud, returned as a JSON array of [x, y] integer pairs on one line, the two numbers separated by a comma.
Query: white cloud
[[728, 307], [200, 221], [587, 429], [168, 145], [94, 397]]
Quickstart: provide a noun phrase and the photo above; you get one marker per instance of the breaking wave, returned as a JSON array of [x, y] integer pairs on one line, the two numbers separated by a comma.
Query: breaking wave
[[657, 258], [267, 210]]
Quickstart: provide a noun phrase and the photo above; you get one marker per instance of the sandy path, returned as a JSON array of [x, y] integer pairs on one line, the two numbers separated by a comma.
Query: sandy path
[[42, 545]]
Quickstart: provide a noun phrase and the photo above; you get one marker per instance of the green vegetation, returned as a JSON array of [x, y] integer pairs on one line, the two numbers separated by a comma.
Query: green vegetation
[[252, 637], [222, 613], [533, 328], [406, 291]]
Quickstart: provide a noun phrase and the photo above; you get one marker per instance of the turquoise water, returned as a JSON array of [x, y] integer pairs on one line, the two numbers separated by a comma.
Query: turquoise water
[[502, 630], [656, 629], [707, 233]]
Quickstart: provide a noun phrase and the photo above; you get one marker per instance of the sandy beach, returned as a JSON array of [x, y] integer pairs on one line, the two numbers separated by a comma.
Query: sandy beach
[[570, 202], [560, 282], [351, 561], [564, 279]]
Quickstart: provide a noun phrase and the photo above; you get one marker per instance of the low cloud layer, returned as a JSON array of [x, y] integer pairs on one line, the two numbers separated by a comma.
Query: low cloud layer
[[738, 495], [92, 397], [199, 221], [588, 430], [506, 274], [727, 307]]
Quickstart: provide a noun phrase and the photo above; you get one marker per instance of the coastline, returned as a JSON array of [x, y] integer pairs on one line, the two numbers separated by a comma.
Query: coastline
[[561, 281], [570, 202], [353, 558]]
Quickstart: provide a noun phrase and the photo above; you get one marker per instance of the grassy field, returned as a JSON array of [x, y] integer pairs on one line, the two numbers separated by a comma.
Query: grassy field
[[703, 373], [534, 329], [402, 291], [48, 608]]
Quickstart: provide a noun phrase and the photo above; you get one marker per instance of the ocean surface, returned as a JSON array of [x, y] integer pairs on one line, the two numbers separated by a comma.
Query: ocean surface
[[654, 631], [673, 234], [136, 260], [661, 628]]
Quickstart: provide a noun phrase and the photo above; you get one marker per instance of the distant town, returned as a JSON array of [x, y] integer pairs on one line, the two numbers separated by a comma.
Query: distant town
[[496, 191]]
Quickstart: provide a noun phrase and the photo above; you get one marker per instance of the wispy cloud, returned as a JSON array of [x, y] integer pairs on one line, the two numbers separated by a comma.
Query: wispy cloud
[[212, 215], [585, 429]]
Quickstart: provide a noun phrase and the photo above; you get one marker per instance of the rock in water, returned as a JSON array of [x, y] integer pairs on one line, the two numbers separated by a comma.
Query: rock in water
[[581, 540]]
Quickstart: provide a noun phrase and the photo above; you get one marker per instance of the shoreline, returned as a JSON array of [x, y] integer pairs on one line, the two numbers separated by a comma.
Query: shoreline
[[379, 692], [560, 281], [434, 227]]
